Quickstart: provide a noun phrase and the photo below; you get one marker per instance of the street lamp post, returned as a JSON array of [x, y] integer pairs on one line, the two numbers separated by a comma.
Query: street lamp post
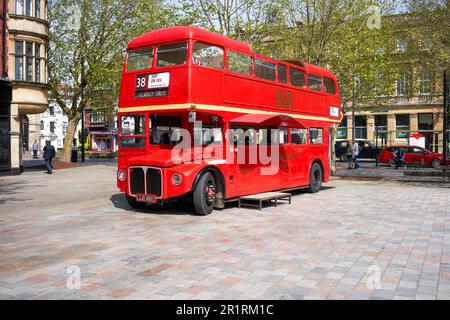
[[446, 106]]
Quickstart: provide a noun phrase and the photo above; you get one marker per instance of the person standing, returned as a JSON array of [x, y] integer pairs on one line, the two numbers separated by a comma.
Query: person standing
[[355, 154], [349, 154], [49, 154], [35, 148]]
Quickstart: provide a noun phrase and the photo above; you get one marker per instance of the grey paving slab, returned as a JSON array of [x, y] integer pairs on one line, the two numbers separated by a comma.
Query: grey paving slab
[[336, 244]]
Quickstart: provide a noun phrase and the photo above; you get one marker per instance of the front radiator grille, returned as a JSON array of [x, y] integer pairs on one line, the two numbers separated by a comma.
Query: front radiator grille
[[137, 181], [154, 182], [140, 176]]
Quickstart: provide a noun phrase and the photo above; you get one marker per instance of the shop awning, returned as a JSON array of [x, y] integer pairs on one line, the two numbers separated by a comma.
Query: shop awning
[[268, 120]]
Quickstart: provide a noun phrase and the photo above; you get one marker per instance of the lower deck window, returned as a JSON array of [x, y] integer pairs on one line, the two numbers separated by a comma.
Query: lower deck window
[[299, 136], [316, 136], [165, 130], [132, 131]]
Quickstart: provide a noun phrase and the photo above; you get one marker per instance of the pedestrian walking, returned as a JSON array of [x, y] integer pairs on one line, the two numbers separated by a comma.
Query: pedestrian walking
[[49, 154], [35, 148], [349, 155], [355, 154], [398, 159]]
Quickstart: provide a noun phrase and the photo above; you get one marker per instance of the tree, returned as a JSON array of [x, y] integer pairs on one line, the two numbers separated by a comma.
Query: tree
[[87, 39]]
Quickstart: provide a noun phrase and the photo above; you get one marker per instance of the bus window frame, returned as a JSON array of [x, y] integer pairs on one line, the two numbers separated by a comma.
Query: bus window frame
[[187, 62], [140, 136], [191, 55], [308, 74], [286, 68], [305, 77], [230, 72], [140, 49], [264, 60]]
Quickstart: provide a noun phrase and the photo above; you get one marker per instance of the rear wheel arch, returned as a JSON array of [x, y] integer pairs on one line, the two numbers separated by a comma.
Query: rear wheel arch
[[321, 166]]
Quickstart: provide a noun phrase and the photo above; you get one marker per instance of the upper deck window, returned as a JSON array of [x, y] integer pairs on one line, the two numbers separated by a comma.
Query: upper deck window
[[239, 63], [206, 55], [171, 54], [140, 60], [282, 75], [297, 77], [329, 86], [314, 82], [265, 69]]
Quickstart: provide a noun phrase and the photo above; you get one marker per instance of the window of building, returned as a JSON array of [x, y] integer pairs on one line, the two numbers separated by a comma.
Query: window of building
[[28, 4], [425, 121], [239, 63], [19, 60], [299, 136], [341, 132], [329, 85], [27, 61], [402, 126], [19, 7], [282, 75], [314, 82], [425, 83], [51, 110], [52, 127], [360, 127], [297, 77], [42, 125], [381, 126], [171, 54], [165, 130], [206, 55], [404, 84], [37, 8], [265, 69], [37, 62], [140, 59], [316, 136], [97, 116]]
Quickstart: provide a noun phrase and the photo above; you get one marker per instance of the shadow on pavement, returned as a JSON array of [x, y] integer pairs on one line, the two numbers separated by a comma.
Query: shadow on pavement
[[9, 189], [172, 208]]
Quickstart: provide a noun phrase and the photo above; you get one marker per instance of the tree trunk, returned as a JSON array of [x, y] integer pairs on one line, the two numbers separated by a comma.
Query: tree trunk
[[68, 142], [332, 149]]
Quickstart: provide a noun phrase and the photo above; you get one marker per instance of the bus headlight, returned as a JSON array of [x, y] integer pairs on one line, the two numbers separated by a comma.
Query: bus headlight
[[177, 179], [122, 175]]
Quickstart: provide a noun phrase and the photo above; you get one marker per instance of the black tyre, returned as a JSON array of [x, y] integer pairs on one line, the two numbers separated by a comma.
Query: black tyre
[[436, 163], [204, 195], [315, 178], [135, 204]]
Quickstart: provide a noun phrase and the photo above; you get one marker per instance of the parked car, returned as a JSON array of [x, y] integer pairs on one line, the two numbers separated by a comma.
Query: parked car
[[413, 155], [366, 150]]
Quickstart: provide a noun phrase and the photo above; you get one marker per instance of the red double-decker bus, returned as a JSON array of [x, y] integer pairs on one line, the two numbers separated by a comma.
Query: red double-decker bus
[[204, 117]]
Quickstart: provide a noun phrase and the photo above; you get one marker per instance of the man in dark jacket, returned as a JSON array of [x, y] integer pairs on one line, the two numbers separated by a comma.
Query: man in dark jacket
[[49, 154]]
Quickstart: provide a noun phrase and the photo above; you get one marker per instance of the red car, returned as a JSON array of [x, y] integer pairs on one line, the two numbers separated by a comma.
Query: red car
[[413, 154]]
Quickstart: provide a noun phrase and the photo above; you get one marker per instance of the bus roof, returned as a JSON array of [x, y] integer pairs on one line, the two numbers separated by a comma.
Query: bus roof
[[185, 33], [173, 34]]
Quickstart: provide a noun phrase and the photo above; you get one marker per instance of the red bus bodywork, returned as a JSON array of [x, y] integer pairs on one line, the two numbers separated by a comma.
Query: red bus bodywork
[[229, 99]]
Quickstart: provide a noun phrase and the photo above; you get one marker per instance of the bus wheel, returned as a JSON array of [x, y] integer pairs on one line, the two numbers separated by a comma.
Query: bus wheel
[[204, 195], [135, 204], [315, 178]]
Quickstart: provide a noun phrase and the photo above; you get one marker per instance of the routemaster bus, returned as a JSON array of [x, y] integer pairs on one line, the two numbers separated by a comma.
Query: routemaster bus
[[206, 118]]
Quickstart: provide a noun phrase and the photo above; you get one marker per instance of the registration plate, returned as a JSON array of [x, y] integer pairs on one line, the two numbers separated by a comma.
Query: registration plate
[[146, 198]]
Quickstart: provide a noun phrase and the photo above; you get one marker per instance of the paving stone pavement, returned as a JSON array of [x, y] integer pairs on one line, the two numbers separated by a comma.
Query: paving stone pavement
[[335, 244]]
